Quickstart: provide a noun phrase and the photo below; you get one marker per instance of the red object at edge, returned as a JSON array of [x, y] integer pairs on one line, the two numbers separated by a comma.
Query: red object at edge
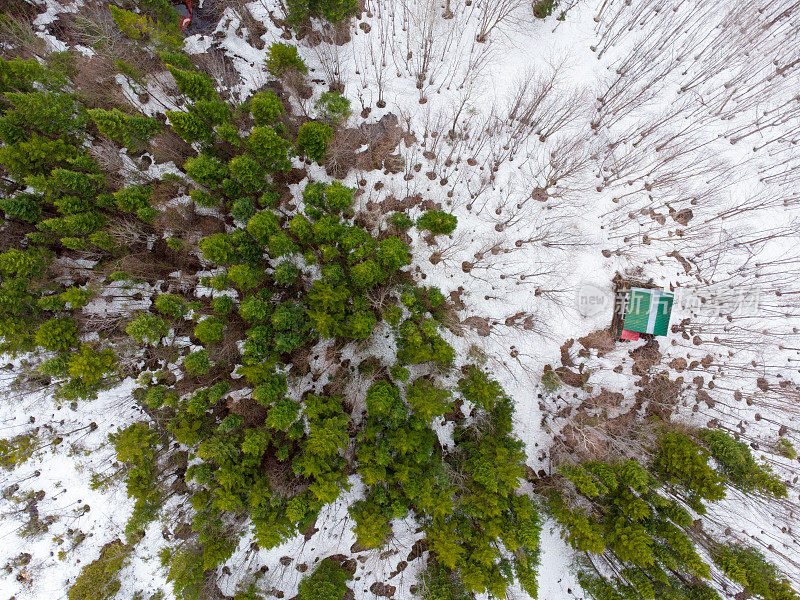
[[186, 21], [629, 335]]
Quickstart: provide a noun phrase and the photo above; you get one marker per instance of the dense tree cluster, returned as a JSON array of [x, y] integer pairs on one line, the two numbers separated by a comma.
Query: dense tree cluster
[[299, 11], [63, 205], [637, 520], [99, 580], [283, 279], [327, 582]]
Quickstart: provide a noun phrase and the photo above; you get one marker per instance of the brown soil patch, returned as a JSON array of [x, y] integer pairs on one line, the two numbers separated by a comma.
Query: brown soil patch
[[419, 547], [658, 395], [602, 340], [479, 324], [566, 359], [382, 589], [644, 357], [381, 139], [678, 364], [571, 378], [166, 147], [605, 400], [254, 414]]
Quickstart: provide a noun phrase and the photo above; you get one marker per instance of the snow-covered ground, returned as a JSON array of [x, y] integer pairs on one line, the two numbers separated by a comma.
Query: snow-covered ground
[[655, 139]]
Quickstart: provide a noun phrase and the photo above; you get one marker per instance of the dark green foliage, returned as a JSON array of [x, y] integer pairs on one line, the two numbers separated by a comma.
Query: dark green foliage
[[366, 274], [437, 582], [135, 447], [197, 363], [266, 107], [207, 116], [327, 304], [313, 138], [337, 10], [212, 111], [637, 520], [22, 206], [480, 390], [132, 131], [242, 209], [91, 365], [19, 75], [400, 373], [392, 315], [194, 85], [189, 126], [231, 423], [204, 199], [272, 150], [220, 248], [427, 399], [371, 525], [164, 12], [285, 273], [17, 450], [680, 461], [786, 449], [361, 324], [49, 114], [278, 457], [400, 220], [438, 222], [288, 316], [57, 334], [207, 170], [544, 8], [419, 342], [222, 305], [635, 584], [134, 199], [18, 305], [298, 11], [736, 462], [383, 402], [282, 58], [322, 450], [272, 389], [262, 226], [36, 155], [632, 521], [334, 109], [396, 460], [249, 173], [76, 297], [255, 310], [147, 328], [99, 580], [331, 198], [282, 414], [157, 396], [748, 567], [392, 254], [485, 506], [327, 582], [245, 277], [185, 571], [171, 305]]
